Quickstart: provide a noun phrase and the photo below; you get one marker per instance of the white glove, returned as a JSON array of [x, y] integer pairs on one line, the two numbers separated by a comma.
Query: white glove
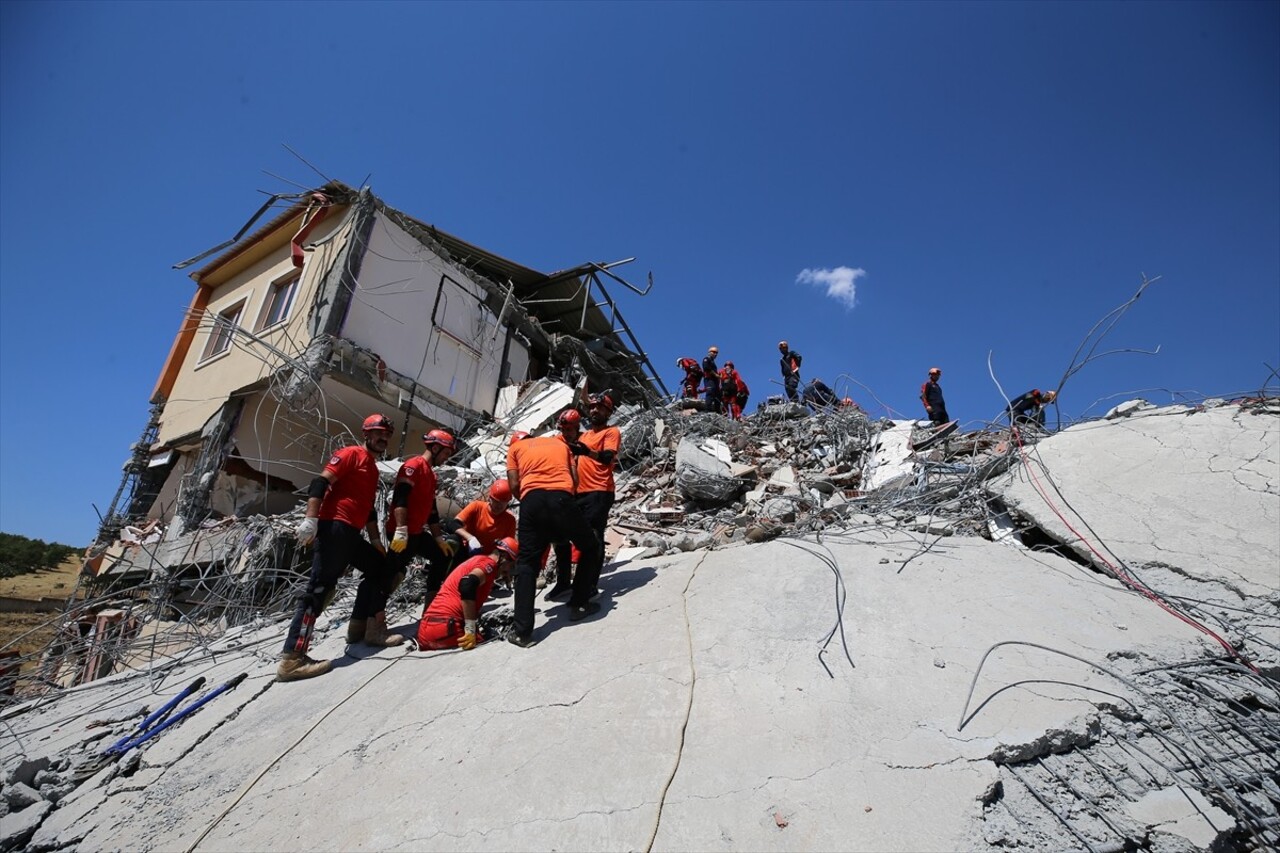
[[306, 531], [473, 543], [401, 540]]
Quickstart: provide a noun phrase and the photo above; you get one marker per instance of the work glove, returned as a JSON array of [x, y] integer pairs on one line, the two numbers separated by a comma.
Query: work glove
[[401, 540], [473, 543], [446, 547], [470, 636], [577, 448], [306, 531]]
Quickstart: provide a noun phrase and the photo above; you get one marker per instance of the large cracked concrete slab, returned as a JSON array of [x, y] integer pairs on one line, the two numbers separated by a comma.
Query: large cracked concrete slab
[[1192, 491], [696, 713]]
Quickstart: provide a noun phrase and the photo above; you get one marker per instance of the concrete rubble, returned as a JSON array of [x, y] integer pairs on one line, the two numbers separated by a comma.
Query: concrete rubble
[[812, 639]]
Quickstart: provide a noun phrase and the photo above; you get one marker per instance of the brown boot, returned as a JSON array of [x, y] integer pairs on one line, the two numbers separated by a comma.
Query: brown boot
[[355, 630], [295, 666], [375, 633]]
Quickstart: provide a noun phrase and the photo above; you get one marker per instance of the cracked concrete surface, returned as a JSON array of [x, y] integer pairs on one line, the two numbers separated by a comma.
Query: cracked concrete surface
[[700, 710]]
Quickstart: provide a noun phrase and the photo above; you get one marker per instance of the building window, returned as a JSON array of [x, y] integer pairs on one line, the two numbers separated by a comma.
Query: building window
[[279, 301], [225, 324]]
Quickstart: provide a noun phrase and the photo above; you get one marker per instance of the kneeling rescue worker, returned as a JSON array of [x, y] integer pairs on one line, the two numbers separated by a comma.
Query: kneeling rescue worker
[[339, 502], [451, 619]]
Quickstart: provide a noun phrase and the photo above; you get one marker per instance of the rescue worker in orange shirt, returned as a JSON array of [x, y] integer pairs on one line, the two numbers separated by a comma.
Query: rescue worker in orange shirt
[[569, 422], [413, 525], [692, 378], [597, 454], [484, 523], [541, 472], [451, 620], [339, 501]]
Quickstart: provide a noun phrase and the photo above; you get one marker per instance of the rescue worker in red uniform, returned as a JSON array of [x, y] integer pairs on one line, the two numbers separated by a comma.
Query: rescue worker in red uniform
[[340, 501], [733, 391], [541, 472], [484, 523], [451, 620], [413, 523], [692, 378], [597, 455], [1028, 409]]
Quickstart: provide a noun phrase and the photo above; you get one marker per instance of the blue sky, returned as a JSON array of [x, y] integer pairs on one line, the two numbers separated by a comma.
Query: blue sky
[[1002, 174]]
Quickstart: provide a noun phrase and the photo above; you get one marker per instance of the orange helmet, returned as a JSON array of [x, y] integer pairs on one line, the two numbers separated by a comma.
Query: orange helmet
[[500, 491], [377, 422], [847, 401], [508, 546], [440, 438], [517, 435], [569, 418]]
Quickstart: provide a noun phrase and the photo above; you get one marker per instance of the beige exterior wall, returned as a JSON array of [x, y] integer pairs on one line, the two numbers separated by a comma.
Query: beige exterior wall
[[204, 383]]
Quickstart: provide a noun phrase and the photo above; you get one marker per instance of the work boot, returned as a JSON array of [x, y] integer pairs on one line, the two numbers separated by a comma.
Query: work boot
[[295, 666], [355, 630], [562, 589], [375, 632], [582, 612]]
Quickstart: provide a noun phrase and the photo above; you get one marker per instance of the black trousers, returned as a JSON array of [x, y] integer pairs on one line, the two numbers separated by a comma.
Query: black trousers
[[791, 383], [595, 508], [421, 545], [545, 517], [338, 545], [939, 415]]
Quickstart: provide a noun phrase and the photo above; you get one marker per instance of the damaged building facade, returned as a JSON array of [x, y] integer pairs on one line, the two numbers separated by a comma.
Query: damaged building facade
[[338, 306]]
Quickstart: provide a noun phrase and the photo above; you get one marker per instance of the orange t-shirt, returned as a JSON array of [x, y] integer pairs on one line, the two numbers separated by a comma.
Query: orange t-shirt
[[478, 518], [542, 463], [594, 476]]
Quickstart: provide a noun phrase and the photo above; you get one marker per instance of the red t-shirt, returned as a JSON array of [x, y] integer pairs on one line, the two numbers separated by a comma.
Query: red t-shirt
[[419, 474], [354, 487], [543, 463], [592, 475], [478, 518], [448, 601]]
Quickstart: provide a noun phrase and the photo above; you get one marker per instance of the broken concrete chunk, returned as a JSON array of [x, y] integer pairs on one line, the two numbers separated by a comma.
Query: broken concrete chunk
[[1127, 408], [17, 827], [25, 771], [20, 795]]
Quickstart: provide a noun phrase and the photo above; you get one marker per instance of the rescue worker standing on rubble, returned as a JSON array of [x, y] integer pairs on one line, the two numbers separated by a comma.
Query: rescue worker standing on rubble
[[1028, 409], [484, 522], [596, 455], [743, 391], [711, 377], [692, 378], [790, 363], [413, 522], [339, 502], [541, 472], [569, 422], [729, 380], [931, 396], [452, 618]]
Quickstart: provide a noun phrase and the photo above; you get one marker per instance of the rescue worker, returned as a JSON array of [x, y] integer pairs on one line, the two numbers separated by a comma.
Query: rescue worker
[[818, 395], [483, 523], [931, 396], [692, 378], [790, 363], [711, 377], [413, 522], [451, 620], [596, 455], [1029, 408], [743, 391], [340, 501], [542, 474], [729, 391], [569, 422]]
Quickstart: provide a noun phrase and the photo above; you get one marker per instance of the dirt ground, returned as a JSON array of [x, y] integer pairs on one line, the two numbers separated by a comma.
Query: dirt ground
[[51, 584]]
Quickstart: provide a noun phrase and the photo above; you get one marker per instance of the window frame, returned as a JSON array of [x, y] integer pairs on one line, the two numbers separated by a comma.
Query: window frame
[[223, 330], [290, 281]]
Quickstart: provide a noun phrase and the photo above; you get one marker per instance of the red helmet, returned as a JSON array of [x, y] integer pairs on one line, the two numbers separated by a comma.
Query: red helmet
[[569, 418], [604, 398], [847, 401], [517, 435], [508, 546], [377, 422], [500, 490], [440, 438]]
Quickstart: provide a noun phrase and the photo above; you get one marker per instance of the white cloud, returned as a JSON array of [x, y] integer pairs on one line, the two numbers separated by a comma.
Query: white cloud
[[841, 282]]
